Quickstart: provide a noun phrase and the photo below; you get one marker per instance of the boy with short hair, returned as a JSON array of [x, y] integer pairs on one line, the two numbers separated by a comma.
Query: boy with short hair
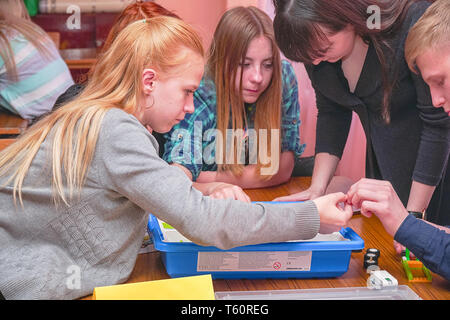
[[427, 51]]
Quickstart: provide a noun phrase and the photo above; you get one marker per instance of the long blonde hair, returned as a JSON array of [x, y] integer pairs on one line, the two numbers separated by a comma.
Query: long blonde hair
[[232, 37], [14, 18], [115, 83]]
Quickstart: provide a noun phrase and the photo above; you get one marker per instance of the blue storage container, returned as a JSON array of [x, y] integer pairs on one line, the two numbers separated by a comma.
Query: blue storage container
[[315, 259]]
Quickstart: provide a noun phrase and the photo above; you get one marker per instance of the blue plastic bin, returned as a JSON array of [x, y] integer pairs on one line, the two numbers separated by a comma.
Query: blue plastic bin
[[321, 259]]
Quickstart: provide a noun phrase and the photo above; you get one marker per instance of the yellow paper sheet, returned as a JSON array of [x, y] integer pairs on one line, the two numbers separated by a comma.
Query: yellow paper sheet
[[186, 288]]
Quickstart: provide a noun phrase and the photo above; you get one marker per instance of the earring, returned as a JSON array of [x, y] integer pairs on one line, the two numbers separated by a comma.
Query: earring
[[151, 104]]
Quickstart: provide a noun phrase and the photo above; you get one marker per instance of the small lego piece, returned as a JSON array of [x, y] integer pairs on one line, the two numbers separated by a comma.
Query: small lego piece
[[414, 269], [370, 260], [371, 257], [372, 268], [380, 279], [373, 251]]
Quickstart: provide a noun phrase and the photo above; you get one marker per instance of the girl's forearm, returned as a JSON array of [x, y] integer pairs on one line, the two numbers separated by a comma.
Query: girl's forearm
[[325, 166], [419, 196]]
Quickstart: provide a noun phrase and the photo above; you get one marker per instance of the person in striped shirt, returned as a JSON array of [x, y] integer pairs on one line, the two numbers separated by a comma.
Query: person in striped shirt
[[32, 72]]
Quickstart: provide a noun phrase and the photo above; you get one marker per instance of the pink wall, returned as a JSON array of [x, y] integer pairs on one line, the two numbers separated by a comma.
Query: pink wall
[[202, 14], [245, 3]]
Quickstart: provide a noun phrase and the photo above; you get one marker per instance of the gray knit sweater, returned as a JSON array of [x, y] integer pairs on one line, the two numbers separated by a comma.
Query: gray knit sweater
[[49, 252]]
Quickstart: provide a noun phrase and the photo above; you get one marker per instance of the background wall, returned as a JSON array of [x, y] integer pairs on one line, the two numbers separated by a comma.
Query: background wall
[[202, 14]]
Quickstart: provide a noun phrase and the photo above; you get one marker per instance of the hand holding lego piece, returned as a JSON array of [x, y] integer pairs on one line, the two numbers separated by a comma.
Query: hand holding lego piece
[[334, 212], [379, 198]]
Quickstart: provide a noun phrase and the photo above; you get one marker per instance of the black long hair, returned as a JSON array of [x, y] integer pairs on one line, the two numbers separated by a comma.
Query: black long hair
[[298, 34]]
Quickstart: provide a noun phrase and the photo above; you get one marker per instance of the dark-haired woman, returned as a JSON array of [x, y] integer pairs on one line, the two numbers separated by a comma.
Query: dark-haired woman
[[354, 54]]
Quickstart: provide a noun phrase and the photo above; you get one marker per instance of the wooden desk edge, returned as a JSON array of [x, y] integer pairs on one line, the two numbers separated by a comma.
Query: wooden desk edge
[[12, 124]]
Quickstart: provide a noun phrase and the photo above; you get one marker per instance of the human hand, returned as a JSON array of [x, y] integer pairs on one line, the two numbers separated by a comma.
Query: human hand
[[334, 212], [399, 248], [379, 198], [221, 190], [308, 194]]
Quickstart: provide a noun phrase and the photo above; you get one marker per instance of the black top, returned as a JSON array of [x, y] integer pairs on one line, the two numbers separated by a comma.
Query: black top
[[414, 146]]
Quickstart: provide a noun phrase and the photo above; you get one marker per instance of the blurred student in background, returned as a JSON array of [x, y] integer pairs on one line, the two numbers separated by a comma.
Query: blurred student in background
[[133, 12]]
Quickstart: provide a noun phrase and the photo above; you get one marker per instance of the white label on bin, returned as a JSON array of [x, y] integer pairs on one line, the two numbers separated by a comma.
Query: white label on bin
[[254, 261]]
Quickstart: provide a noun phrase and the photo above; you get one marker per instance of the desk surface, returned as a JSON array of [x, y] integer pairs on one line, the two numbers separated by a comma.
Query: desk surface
[[149, 266], [11, 124]]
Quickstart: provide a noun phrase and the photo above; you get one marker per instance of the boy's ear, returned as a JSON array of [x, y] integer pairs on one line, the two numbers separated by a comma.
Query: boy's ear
[[149, 77]]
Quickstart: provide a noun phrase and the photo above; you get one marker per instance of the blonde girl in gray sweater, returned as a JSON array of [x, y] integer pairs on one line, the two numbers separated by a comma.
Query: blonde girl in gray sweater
[[77, 187]]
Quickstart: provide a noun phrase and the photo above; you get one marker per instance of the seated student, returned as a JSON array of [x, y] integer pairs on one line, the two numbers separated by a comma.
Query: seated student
[[428, 49], [32, 73], [76, 187], [245, 127], [246, 87]]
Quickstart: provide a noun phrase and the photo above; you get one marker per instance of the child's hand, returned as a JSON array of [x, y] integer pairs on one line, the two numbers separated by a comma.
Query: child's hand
[[221, 190], [379, 198], [334, 211]]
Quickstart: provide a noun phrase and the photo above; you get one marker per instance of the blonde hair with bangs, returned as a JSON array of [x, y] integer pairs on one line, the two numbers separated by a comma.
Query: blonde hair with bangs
[[115, 83], [431, 31], [232, 37]]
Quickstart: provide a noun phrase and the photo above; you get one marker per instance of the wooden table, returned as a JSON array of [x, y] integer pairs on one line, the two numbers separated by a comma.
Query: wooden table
[[11, 124], [149, 266], [10, 127]]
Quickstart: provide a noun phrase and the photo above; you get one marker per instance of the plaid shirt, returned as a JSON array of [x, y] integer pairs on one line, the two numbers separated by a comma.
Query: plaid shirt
[[191, 143]]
